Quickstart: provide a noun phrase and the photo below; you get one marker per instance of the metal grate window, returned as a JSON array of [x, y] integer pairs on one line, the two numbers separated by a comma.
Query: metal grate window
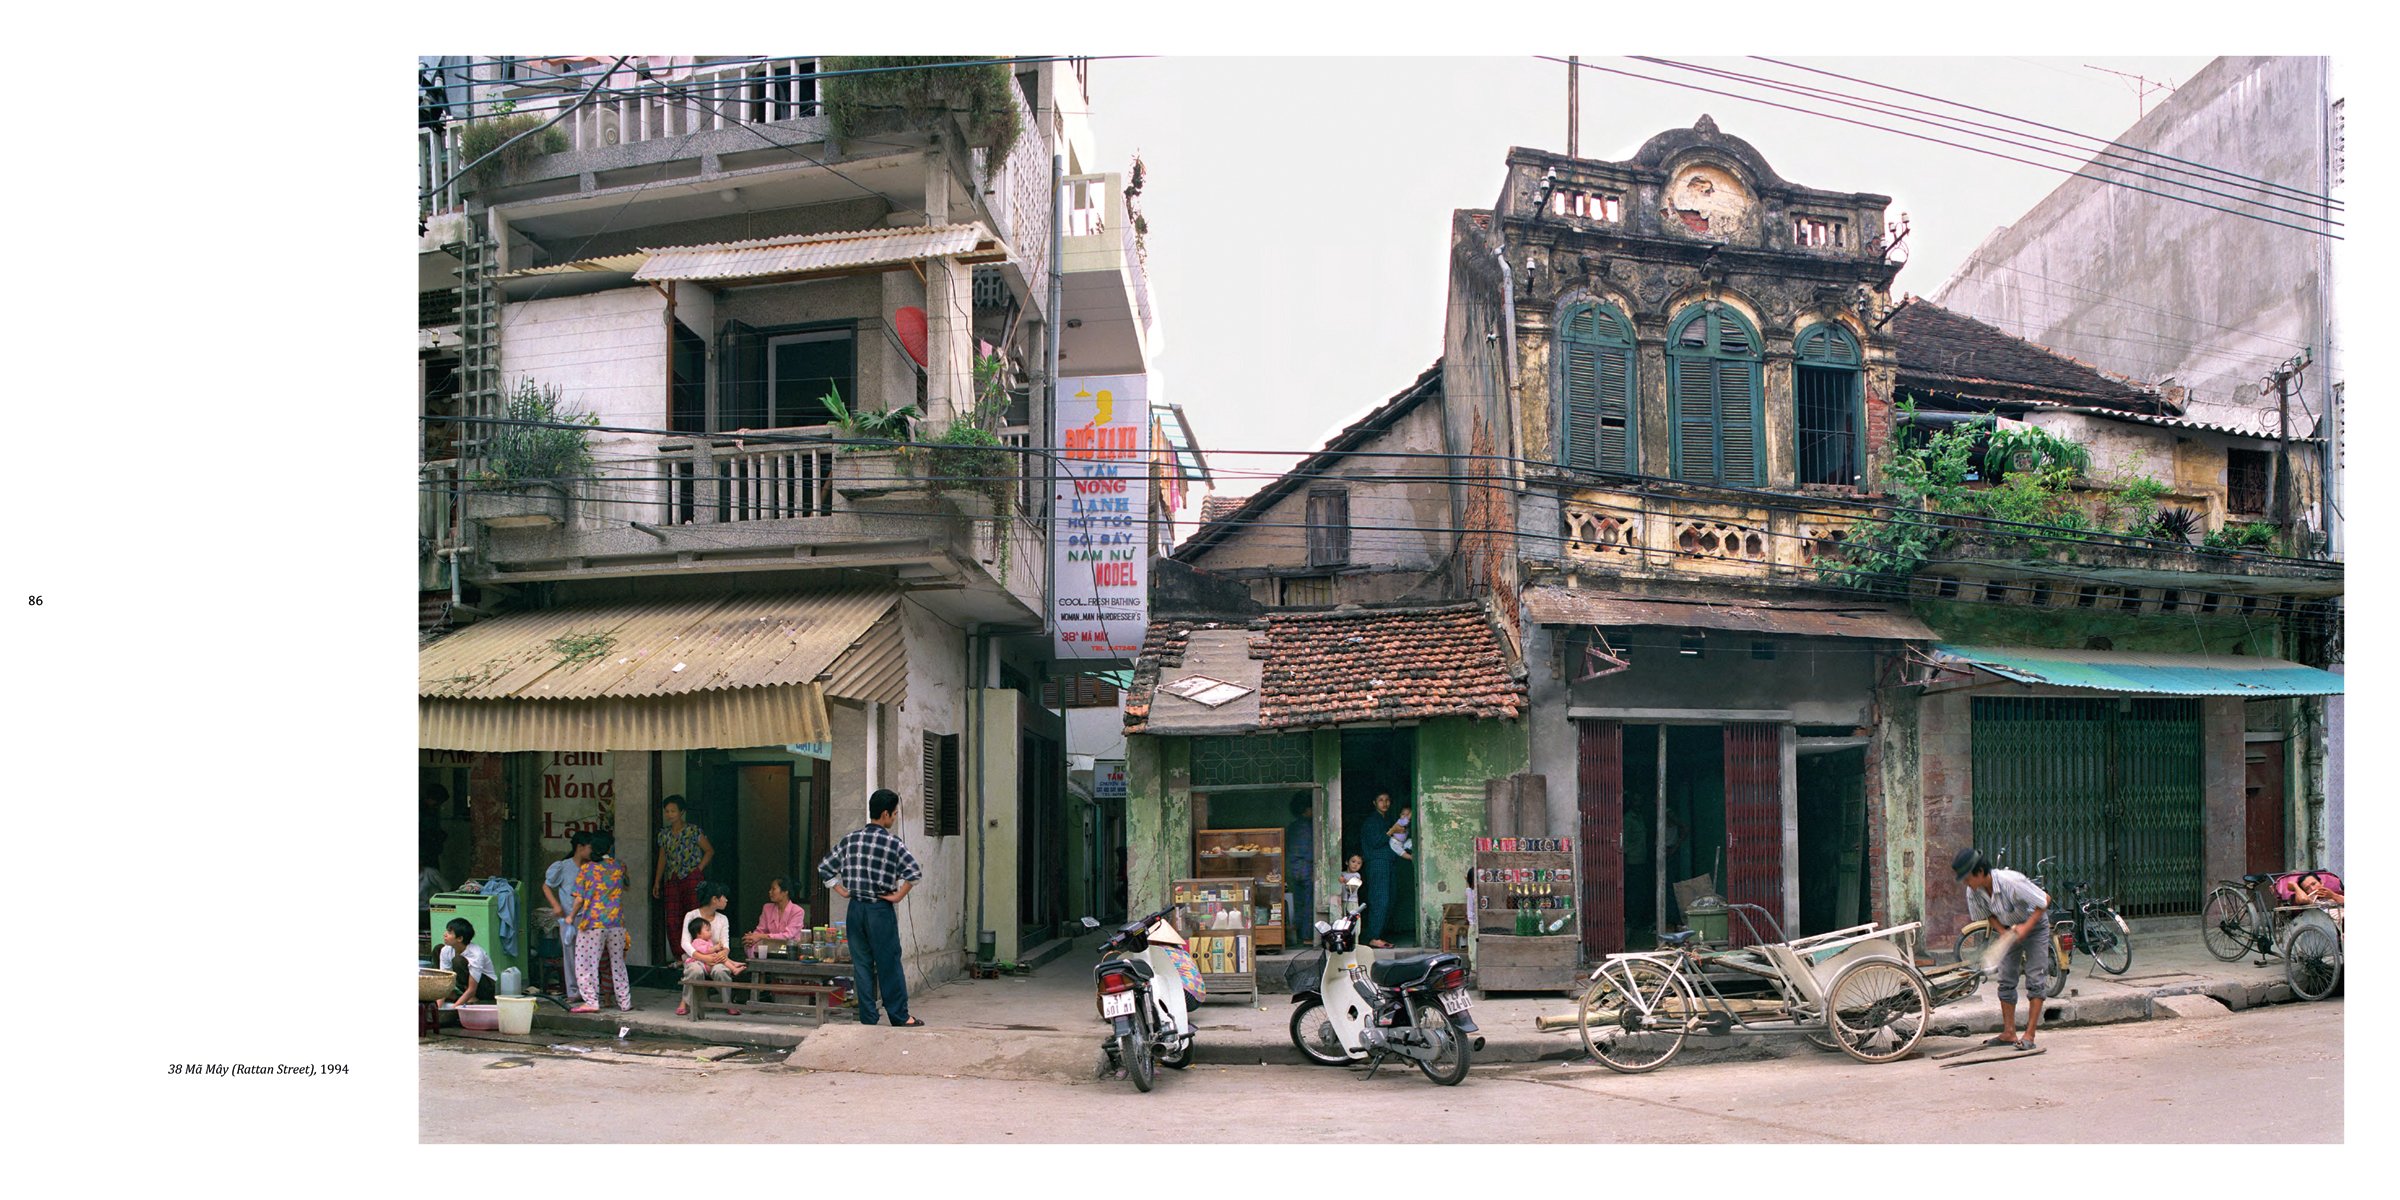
[[1267, 758], [2112, 788]]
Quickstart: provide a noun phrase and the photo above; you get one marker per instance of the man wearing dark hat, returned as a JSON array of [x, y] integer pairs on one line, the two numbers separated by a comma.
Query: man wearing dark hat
[[2018, 909]]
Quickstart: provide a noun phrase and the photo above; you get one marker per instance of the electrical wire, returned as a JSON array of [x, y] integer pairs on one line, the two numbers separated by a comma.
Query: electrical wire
[[1967, 128], [1935, 140], [2232, 175], [1770, 500]]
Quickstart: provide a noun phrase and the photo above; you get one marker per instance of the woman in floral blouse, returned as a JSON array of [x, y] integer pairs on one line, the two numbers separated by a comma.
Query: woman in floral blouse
[[600, 924], [683, 853]]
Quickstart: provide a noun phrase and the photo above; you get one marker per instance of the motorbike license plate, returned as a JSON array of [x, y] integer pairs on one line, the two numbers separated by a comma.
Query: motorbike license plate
[[1116, 1004], [1456, 1002]]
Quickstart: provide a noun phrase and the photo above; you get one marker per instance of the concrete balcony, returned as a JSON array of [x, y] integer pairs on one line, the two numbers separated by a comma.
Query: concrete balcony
[[1106, 289], [1661, 534], [706, 505]]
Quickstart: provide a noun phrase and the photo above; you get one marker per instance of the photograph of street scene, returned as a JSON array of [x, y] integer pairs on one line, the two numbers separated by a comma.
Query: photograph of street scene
[[1605, 598]]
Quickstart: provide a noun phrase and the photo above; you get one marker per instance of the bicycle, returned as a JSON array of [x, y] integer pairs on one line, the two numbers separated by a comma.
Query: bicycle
[[2098, 928]]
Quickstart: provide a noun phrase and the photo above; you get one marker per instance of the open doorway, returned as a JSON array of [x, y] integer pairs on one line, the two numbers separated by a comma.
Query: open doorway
[[1382, 762], [1832, 792], [1672, 832]]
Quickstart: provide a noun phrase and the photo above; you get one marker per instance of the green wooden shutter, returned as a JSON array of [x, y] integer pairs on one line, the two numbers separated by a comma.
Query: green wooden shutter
[[1582, 377], [1695, 419], [1613, 420], [1737, 421]]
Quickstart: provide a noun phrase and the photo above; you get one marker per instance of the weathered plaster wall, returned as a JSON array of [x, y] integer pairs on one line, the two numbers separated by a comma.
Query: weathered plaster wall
[[1820, 681], [1455, 756], [1945, 780], [1896, 833], [1982, 624], [2222, 773], [606, 352], [1394, 521], [2205, 297], [1158, 818]]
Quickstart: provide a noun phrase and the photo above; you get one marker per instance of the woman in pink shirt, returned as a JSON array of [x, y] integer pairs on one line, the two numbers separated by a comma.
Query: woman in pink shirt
[[779, 919]]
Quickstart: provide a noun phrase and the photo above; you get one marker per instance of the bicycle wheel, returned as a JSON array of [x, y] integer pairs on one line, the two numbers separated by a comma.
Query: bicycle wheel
[[2109, 940], [2227, 924], [2312, 961], [1973, 943], [1877, 1009], [1450, 1066], [1633, 1016]]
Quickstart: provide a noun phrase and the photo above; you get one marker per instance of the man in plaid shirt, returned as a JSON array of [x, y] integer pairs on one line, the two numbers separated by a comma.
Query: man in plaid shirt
[[872, 869]]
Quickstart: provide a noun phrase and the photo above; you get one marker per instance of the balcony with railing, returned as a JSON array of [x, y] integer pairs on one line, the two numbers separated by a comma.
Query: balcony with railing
[[1107, 288], [675, 505], [1804, 541]]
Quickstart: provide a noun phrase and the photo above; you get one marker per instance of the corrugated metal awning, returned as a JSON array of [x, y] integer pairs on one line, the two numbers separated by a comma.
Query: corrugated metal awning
[[718, 672], [1797, 618], [2140, 674], [824, 253]]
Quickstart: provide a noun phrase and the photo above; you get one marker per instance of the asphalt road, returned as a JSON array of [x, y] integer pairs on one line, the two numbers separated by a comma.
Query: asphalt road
[[2159, 1081]]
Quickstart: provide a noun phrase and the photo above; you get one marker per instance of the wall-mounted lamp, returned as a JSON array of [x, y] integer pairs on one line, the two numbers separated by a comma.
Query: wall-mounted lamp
[[1542, 190]]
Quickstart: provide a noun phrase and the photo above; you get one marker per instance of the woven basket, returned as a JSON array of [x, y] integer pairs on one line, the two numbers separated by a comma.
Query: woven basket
[[434, 984]]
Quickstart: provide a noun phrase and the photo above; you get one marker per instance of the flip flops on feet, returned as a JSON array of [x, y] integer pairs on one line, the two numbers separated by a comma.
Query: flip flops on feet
[[584, 1008], [2025, 1043], [1997, 1040], [911, 1023]]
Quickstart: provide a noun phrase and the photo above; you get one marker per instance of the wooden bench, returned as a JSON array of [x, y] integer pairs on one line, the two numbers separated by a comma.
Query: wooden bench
[[810, 1000]]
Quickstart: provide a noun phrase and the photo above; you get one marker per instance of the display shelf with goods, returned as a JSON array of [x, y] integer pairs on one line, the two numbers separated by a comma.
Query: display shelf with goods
[[1255, 855], [1215, 921], [1525, 932]]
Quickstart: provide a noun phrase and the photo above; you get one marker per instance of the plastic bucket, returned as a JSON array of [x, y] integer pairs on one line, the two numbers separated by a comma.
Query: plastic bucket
[[516, 1014]]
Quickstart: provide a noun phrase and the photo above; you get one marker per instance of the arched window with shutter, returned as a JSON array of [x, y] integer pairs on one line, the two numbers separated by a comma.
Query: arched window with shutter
[[1595, 355], [1828, 420], [1713, 397]]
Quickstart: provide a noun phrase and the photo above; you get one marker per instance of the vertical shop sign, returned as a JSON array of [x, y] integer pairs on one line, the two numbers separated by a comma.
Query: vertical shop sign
[[1100, 517], [579, 793]]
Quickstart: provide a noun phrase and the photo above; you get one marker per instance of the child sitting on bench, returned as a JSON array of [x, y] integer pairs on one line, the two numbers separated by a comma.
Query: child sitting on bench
[[707, 958]]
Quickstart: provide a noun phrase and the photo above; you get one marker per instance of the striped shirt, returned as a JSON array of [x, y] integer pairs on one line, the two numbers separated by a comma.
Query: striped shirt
[[869, 860]]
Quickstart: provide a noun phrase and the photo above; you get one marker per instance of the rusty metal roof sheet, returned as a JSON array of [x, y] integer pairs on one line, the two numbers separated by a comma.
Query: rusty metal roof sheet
[[655, 648], [611, 264], [2143, 674], [849, 250], [1797, 618]]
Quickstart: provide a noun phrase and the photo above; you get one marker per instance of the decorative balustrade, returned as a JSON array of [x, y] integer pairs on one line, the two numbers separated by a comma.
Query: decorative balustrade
[[706, 482], [1026, 215], [1632, 532], [694, 99]]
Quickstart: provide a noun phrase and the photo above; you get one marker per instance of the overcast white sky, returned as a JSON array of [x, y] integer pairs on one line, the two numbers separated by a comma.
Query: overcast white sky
[[1299, 208]]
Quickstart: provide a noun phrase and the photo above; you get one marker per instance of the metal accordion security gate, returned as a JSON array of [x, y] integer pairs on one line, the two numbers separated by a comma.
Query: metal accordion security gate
[[2112, 787], [1754, 823]]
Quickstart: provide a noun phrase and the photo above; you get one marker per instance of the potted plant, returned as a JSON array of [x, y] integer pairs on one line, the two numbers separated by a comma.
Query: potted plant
[[531, 463], [872, 459]]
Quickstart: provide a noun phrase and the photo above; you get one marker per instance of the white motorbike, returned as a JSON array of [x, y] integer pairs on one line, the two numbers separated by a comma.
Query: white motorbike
[[1356, 1008], [1142, 975]]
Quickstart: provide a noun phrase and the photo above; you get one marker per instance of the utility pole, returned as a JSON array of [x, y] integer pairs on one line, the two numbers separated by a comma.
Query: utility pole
[[2285, 373], [2142, 87], [1574, 106]]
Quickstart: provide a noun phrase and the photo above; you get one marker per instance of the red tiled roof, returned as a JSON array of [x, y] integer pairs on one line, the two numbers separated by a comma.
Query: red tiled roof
[[1392, 665], [1328, 668], [1946, 352], [1213, 507]]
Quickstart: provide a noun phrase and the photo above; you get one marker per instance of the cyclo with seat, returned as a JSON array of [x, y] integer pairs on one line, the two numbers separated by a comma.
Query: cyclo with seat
[[1856, 989]]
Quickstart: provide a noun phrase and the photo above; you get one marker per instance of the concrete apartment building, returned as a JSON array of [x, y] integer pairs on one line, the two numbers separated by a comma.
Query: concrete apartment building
[[741, 597]]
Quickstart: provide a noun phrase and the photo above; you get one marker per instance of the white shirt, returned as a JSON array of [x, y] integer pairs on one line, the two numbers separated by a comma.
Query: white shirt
[[720, 931], [479, 964]]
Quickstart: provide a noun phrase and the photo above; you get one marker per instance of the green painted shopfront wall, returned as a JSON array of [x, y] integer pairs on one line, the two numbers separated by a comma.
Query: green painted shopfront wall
[[2114, 788]]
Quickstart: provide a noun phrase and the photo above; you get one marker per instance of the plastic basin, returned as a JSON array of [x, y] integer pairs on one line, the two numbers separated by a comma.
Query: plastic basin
[[479, 1016]]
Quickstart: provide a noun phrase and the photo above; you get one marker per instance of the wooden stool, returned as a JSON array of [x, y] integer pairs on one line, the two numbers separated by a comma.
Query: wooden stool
[[429, 1018]]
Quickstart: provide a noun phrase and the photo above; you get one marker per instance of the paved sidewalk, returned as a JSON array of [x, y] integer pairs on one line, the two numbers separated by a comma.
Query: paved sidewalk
[[1055, 1002]]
